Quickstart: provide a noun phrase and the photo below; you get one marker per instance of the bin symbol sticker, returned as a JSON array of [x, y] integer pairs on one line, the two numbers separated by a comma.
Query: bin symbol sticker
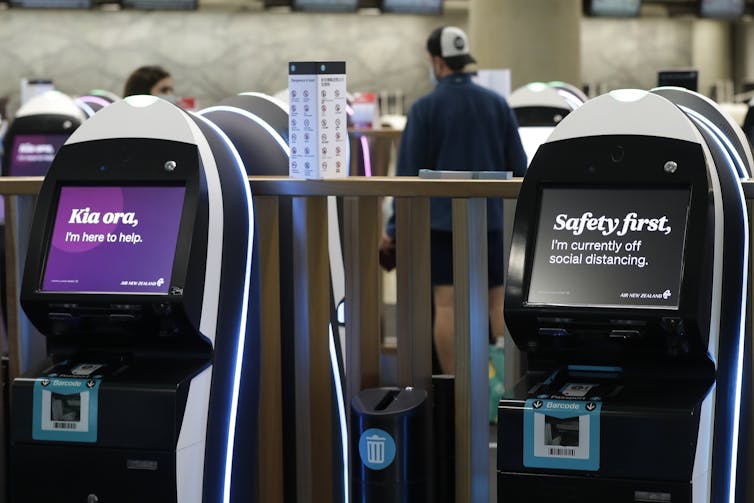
[[376, 448]]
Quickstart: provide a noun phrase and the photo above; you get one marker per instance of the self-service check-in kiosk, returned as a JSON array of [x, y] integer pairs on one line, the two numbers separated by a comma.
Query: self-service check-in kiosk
[[139, 273], [539, 107], [258, 126], [270, 109], [625, 288], [262, 146], [38, 130]]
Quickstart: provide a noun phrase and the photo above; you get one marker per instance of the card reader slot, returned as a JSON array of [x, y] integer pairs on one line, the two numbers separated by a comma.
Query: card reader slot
[[580, 383], [617, 330], [626, 335], [76, 307]]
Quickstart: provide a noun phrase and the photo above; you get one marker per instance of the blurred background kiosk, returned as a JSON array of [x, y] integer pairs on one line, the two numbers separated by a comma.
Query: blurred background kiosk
[[539, 107], [95, 101], [626, 288], [143, 224], [38, 130]]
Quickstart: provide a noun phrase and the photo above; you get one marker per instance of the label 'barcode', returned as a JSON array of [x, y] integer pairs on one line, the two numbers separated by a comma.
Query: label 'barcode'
[[64, 426], [561, 451]]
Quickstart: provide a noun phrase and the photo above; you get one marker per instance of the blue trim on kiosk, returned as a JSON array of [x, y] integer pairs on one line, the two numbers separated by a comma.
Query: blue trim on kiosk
[[730, 148]]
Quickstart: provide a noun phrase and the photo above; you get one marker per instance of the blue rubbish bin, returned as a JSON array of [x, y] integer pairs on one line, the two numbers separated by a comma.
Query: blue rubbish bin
[[390, 446]]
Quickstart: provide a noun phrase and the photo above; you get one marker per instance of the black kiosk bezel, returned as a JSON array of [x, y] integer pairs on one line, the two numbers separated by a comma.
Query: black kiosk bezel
[[111, 163], [561, 333]]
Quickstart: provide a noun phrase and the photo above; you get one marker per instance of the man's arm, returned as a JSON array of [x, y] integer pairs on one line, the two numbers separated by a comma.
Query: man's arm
[[515, 153], [414, 148], [413, 154]]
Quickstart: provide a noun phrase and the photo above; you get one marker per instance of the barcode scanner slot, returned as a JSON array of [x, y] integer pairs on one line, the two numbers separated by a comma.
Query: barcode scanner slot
[[562, 432]]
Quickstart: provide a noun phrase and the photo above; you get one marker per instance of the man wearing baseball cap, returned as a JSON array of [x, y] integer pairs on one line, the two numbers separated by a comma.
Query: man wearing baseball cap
[[450, 46], [459, 126]]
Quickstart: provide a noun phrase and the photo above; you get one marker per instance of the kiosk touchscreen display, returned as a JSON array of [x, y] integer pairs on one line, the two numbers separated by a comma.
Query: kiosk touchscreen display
[[32, 154], [609, 247], [109, 239]]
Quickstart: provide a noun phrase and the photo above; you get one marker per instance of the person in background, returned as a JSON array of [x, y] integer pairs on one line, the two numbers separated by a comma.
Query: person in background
[[459, 126], [153, 80]]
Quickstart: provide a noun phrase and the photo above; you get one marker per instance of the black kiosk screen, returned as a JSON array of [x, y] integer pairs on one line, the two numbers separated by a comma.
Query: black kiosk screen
[[609, 248], [114, 239]]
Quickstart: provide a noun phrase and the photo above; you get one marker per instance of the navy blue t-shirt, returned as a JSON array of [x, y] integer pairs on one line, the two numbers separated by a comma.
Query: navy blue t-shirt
[[460, 126]]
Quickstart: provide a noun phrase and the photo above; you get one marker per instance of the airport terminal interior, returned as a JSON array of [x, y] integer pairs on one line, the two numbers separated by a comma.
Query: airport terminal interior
[[225, 224]]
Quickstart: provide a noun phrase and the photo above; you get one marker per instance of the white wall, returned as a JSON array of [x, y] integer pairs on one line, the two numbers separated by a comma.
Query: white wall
[[627, 53], [712, 52], [212, 53]]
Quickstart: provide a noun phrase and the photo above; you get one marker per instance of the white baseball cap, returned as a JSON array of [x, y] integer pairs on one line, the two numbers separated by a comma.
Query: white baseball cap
[[452, 45]]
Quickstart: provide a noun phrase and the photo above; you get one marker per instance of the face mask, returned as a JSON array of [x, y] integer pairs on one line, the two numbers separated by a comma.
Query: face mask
[[170, 98], [432, 76]]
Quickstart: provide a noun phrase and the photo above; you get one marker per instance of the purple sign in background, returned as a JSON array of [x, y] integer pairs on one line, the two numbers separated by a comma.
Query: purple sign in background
[[114, 239], [33, 153]]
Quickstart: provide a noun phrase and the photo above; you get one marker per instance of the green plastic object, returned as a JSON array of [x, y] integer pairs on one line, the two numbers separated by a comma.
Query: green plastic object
[[496, 373]]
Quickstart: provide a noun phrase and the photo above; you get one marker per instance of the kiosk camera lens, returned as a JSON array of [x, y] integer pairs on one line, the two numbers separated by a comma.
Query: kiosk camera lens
[[617, 154], [670, 167]]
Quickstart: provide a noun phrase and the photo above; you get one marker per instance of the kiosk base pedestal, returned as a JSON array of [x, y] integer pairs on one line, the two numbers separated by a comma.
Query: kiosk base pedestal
[[74, 473], [584, 489]]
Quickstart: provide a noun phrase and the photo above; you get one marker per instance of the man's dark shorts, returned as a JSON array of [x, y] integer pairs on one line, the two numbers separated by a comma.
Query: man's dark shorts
[[442, 258]]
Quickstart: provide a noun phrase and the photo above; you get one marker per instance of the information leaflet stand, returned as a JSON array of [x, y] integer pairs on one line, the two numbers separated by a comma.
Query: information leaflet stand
[[626, 283]]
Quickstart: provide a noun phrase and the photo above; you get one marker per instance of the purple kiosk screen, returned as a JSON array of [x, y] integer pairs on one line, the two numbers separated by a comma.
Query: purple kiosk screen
[[32, 154], [114, 240]]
